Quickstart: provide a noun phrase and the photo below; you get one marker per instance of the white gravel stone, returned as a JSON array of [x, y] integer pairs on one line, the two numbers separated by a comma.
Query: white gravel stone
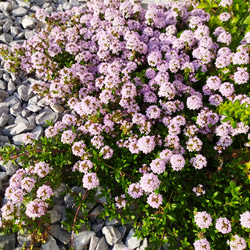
[[28, 22], [20, 11]]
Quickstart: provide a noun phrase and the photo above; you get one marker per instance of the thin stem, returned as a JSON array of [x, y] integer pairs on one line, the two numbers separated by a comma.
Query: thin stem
[[77, 211]]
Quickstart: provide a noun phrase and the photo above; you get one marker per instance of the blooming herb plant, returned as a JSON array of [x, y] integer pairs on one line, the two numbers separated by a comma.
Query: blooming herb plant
[[144, 87]]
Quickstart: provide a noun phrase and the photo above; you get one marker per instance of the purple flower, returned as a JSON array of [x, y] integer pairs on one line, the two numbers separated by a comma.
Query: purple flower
[[149, 182], [245, 219], [36, 208], [106, 152], [90, 181], [203, 219], [153, 112], [78, 148], [44, 192], [194, 144], [199, 190], [28, 138], [226, 89], [224, 16], [241, 76], [135, 190], [177, 162], [42, 169], [199, 161], [154, 200], [120, 201], [28, 183], [237, 242], [194, 102], [223, 225], [146, 144], [213, 82], [158, 166], [201, 244], [68, 137]]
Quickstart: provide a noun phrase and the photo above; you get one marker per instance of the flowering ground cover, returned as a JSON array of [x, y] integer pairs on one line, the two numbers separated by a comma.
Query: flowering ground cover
[[145, 88]]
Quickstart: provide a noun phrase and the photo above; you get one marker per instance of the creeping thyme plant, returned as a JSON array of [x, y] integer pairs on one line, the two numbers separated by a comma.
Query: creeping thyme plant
[[144, 88]]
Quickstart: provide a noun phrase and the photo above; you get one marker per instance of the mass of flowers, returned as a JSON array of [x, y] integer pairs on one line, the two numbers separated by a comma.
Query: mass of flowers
[[143, 87]]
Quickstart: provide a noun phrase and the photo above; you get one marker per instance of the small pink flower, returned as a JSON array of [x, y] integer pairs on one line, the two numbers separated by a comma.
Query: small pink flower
[[90, 181]]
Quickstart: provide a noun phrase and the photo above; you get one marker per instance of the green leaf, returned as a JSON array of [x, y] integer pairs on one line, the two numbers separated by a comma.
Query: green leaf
[[202, 6]]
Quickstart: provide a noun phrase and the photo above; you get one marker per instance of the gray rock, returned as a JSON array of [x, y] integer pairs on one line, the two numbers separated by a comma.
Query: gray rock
[[69, 200], [118, 246], [94, 213], [16, 109], [3, 85], [34, 108], [38, 132], [122, 230], [14, 31], [29, 33], [74, 2], [9, 167], [22, 3], [25, 112], [112, 234], [4, 140], [11, 87], [6, 38], [39, 2], [7, 241], [20, 36], [19, 12], [12, 100], [58, 198], [34, 99], [4, 108], [60, 234], [113, 222], [82, 239], [4, 118], [50, 244], [24, 238], [102, 244], [42, 103], [3, 95], [131, 241], [3, 178], [6, 76], [93, 242], [96, 227], [18, 128], [25, 92], [98, 195], [5, 6], [7, 25], [46, 114], [29, 22], [144, 244], [57, 108]]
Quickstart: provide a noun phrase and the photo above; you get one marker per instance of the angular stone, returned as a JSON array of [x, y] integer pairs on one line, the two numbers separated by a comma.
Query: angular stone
[[3, 85], [25, 113], [4, 108], [94, 213], [46, 114], [38, 132], [43, 102], [7, 241], [50, 244], [93, 242], [12, 100], [7, 25], [16, 109], [3, 95], [14, 31], [57, 108], [96, 227], [4, 140], [55, 216], [6, 38], [144, 244], [3, 178], [9, 167], [114, 222], [4, 118], [74, 2], [20, 11], [28, 22], [19, 128], [6, 76], [122, 230], [60, 234], [29, 33], [102, 244], [34, 108], [81, 240], [34, 99], [131, 241], [119, 246], [58, 197], [24, 238], [112, 234], [5, 6], [20, 36], [25, 4], [39, 2], [11, 87], [25, 92]]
